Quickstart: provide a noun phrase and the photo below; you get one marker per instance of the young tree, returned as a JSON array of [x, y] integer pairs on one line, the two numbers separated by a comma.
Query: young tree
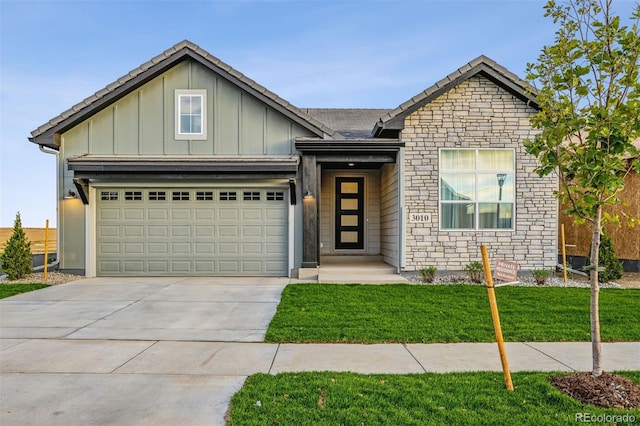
[[16, 259], [589, 97]]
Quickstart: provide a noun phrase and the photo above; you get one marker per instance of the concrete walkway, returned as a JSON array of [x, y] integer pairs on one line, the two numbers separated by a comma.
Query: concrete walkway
[[172, 351]]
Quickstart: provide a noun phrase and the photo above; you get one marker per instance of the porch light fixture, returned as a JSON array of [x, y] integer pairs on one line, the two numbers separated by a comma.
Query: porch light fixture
[[70, 195], [351, 164], [308, 196]]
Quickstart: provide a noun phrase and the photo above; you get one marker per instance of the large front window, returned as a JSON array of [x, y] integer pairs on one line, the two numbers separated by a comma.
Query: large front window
[[477, 188], [191, 114]]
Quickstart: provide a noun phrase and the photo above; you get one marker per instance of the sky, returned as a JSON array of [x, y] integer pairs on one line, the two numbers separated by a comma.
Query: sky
[[322, 54]]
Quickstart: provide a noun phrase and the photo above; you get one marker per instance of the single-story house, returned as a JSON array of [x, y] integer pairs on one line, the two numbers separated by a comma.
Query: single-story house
[[185, 166]]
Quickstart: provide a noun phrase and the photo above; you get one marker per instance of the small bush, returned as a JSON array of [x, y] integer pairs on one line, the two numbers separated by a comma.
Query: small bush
[[17, 260], [475, 271], [428, 274], [609, 267], [540, 275]]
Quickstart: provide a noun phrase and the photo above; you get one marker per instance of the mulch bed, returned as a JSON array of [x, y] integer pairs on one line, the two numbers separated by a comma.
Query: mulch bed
[[607, 390]]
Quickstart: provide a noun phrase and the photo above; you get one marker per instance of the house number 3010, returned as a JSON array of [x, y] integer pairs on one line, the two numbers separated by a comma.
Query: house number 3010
[[419, 217]]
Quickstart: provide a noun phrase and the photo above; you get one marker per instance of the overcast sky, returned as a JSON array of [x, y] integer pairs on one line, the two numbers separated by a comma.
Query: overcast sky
[[343, 54]]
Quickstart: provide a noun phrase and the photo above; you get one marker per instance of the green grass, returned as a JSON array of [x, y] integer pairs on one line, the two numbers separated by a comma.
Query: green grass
[[454, 313], [328, 398], [7, 290]]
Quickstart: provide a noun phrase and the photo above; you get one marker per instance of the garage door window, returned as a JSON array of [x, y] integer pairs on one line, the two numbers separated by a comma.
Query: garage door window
[[133, 195], [180, 196], [157, 196], [109, 196], [251, 196], [275, 196], [228, 196], [204, 195]]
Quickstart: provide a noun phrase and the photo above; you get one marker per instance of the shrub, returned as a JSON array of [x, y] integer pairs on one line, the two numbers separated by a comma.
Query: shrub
[[475, 271], [428, 274], [609, 267], [540, 275], [17, 260]]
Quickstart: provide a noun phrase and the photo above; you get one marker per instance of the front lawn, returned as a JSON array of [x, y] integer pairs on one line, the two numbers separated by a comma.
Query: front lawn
[[329, 398], [7, 290], [448, 313]]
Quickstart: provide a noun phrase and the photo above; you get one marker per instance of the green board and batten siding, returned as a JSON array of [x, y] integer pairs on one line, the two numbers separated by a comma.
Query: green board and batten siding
[[142, 124]]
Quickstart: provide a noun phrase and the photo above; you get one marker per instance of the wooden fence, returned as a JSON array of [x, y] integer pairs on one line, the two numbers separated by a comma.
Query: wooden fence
[[35, 236], [626, 240]]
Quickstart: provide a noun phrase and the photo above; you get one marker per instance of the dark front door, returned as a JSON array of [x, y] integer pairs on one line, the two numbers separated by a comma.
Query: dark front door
[[349, 213]]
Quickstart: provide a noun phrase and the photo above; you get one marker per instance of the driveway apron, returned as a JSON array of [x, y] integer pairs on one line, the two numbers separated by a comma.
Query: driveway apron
[[134, 351]]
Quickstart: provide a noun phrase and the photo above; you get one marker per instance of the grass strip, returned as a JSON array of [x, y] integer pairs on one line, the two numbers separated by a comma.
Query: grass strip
[[7, 290], [448, 313], [477, 398]]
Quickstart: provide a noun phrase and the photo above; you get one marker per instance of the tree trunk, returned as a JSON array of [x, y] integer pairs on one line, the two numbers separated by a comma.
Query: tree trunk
[[596, 346]]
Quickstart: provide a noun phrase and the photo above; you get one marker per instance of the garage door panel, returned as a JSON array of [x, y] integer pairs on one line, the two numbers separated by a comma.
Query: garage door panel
[[251, 266], [228, 248], [158, 248], [133, 266], [274, 231], [180, 231], [204, 248], [205, 214], [133, 214], [229, 266], [109, 248], [106, 213], [180, 248], [133, 248], [180, 214], [252, 231], [158, 266], [252, 248], [228, 230], [230, 214], [133, 231], [157, 214], [157, 231], [251, 214], [204, 230], [192, 232], [109, 231], [109, 267]]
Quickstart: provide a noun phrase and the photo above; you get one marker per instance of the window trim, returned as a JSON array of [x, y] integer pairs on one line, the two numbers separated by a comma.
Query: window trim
[[476, 171], [179, 93]]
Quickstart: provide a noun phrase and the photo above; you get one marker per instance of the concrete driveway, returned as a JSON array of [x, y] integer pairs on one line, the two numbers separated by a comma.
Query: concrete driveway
[[124, 351]]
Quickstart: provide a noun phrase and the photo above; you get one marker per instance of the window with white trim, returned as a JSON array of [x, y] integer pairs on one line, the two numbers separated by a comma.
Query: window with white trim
[[477, 188], [191, 114]]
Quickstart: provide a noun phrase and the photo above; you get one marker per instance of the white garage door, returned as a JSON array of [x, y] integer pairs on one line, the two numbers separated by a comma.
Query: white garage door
[[191, 231]]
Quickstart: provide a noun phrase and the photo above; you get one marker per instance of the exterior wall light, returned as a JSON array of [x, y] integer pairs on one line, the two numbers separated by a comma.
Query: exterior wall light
[[308, 196], [69, 195]]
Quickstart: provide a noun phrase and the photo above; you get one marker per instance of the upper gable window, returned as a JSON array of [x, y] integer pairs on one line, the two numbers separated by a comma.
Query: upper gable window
[[191, 114]]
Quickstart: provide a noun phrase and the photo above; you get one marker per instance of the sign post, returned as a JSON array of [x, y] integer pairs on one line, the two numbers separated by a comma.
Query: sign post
[[496, 318]]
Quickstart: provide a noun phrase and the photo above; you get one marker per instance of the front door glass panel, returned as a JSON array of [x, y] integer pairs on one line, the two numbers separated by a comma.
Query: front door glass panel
[[349, 219]]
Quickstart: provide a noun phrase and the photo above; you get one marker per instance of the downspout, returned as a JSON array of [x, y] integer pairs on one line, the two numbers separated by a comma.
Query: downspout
[[56, 153]]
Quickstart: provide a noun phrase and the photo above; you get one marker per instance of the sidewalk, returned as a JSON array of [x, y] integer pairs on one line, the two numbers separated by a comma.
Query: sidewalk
[[115, 382]]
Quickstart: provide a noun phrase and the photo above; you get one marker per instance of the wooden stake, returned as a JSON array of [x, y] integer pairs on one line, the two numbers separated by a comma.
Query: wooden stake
[[496, 319], [564, 253], [46, 248]]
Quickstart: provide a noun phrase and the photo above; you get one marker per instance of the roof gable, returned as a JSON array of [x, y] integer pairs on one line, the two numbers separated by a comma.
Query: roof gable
[[392, 122], [48, 133]]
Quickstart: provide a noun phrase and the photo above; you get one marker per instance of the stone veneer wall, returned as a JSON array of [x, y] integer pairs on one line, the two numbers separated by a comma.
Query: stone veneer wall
[[476, 114]]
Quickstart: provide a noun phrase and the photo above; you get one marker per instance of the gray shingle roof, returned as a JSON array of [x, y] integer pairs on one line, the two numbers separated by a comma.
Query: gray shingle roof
[[349, 122], [45, 134]]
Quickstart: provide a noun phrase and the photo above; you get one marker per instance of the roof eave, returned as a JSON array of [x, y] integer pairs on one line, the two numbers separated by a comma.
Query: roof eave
[[45, 134]]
